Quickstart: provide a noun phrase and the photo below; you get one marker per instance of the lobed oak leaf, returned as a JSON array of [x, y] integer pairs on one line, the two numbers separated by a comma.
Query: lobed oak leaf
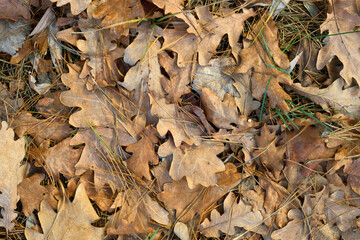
[[305, 145], [186, 201], [32, 194], [198, 164], [14, 10], [223, 114], [114, 12], [72, 221], [336, 96], [61, 158], [183, 126], [341, 18], [100, 53], [10, 174], [235, 214], [296, 229], [263, 65], [269, 154], [176, 86], [76, 6], [145, 76], [41, 129], [143, 154], [137, 209]]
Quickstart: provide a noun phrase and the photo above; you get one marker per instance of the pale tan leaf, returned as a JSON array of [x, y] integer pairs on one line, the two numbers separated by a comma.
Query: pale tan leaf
[[342, 18], [9, 174], [183, 126], [295, 229], [198, 164], [235, 214], [182, 231], [72, 221], [77, 6], [335, 96]]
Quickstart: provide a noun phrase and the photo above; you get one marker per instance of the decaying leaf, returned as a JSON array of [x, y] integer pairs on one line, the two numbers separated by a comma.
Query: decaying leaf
[[335, 96], [223, 114], [235, 214], [183, 126], [117, 12], [11, 174], [264, 64], [72, 221], [342, 18], [77, 6], [177, 195], [269, 153], [13, 35], [198, 164], [295, 229], [14, 10], [32, 194], [143, 154]]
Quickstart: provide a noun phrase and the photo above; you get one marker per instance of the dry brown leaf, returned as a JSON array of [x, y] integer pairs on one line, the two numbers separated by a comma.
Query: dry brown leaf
[[50, 105], [306, 145], [136, 211], [223, 114], [8, 105], [334, 210], [96, 154], [307, 61], [179, 196], [61, 158], [353, 175], [100, 52], [97, 110], [145, 76], [342, 18], [335, 96], [199, 164], [14, 10], [55, 129], [114, 12], [181, 42], [262, 66], [176, 86], [72, 221], [161, 173], [235, 214], [296, 229], [32, 194], [269, 153], [183, 126], [143, 154], [11, 174], [13, 35], [76, 6]]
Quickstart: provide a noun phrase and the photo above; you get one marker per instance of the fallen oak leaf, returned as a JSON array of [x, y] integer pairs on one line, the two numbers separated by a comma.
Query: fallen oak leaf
[[76, 6], [342, 18], [11, 174], [72, 221], [14, 10], [199, 164], [32, 194], [235, 214], [264, 75], [177, 195], [114, 12], [296, 229], [143, 154]]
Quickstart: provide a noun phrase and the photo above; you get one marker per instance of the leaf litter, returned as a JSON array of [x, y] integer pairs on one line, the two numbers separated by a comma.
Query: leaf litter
[[179, 119]]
